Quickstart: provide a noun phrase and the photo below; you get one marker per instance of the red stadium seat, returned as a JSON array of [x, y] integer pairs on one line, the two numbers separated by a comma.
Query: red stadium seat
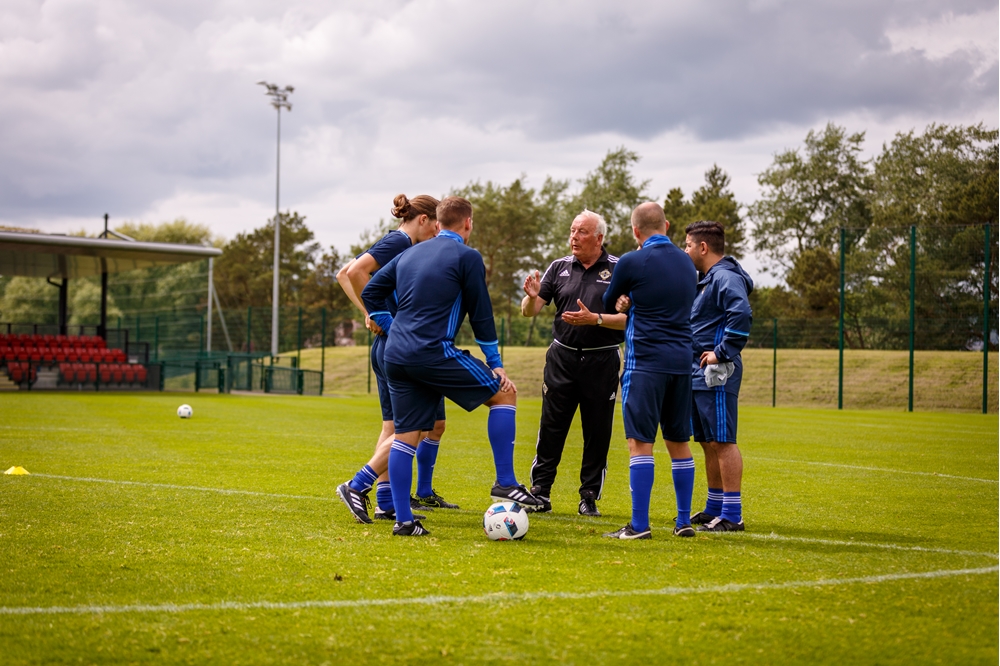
[[66, 372], [84, 354], [121, 356], [16, 374], [129, 373], [116, 373], [61, 340], [91, 371], [71, 354], [100, 343], [59, 354], [22, 354], [105, 373], [140, 374], [48, 340]]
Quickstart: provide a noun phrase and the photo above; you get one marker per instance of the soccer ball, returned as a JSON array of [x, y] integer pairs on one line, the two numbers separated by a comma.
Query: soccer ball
[[505, 521], [184, 411]]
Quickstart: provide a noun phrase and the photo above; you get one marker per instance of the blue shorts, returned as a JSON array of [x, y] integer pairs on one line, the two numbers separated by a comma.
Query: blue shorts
[[714, 416], [651, 399], [417, 390], [385, 401]]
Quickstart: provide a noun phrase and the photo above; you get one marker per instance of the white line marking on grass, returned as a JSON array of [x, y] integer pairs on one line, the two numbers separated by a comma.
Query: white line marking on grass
[[486, 598], [171, 486], [873, 469], [866, 544], [549, 516]]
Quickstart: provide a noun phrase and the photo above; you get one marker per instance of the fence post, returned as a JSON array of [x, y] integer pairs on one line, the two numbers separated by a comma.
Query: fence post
[[369, 360], [298, 357], [774, 364], [322, 348], [913, 301], [840, 329], [986, 321]]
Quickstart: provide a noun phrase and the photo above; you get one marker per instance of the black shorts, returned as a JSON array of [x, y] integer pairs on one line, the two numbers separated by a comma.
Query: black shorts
[[417, 390], [651, 399]]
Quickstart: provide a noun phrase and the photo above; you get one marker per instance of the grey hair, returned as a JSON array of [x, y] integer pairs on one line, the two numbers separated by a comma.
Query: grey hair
[[602, 226]]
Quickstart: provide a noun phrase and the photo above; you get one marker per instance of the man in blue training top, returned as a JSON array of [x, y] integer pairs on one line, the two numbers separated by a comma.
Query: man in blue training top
[[656, 286], [437, 283], [720, 322], [418, 222]]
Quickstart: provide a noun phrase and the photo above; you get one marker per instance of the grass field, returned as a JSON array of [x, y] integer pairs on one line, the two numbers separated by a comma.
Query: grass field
[[141, 538], [943, 381]]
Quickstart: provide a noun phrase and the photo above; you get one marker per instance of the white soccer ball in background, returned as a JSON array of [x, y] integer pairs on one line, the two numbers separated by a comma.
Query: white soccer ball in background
[[185, 411], [505, 521]]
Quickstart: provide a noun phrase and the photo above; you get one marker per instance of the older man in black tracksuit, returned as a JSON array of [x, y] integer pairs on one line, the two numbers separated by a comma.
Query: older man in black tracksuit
[[582, 364]]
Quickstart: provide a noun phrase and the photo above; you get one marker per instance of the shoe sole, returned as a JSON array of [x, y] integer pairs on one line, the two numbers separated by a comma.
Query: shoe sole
[[644, 535], [427, 505], [347, 502], [741, 528], [527, 507]]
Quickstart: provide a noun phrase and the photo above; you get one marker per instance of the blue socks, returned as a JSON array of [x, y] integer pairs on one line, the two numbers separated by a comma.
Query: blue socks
[[363, 480], [640, 476], [401, 478], [427, 455], [732, 507], [501, 427], [383, 496], [713, 506], [683, 471]]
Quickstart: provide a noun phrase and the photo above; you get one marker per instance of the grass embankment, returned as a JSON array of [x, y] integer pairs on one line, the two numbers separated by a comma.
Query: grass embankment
[[943, 381], [144, 538]]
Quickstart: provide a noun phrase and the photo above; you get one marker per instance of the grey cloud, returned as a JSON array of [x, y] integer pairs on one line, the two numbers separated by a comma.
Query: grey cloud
[[119, 105]]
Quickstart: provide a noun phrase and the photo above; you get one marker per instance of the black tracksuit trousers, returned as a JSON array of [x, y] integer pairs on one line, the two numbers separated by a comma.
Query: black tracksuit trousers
[[584, 379]]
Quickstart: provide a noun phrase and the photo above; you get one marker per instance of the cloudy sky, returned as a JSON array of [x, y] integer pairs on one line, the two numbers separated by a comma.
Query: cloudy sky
[[149, 110]]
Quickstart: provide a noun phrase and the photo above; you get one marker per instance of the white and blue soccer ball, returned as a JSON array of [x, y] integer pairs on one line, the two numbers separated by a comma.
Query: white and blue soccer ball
[[185, 411], [505, 521]]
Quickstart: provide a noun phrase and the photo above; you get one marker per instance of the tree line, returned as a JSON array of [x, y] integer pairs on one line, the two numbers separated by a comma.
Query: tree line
[[816, 202]]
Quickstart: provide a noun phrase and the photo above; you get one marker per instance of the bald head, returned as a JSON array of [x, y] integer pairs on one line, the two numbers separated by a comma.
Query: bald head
[[648, 220]]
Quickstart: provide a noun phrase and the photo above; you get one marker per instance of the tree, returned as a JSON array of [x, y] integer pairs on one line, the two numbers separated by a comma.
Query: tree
[[612, 191], [807, 197], [712, 201], [30, 300], [245, 269], [509, 227], [944, 183], [163, 288]]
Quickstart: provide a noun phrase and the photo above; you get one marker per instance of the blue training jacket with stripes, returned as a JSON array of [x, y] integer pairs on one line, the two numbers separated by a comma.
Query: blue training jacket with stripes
[[437, 283], [661, 280], [720, 320]]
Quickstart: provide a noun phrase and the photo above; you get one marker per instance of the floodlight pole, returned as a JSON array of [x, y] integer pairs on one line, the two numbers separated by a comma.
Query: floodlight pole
[[279, 100]]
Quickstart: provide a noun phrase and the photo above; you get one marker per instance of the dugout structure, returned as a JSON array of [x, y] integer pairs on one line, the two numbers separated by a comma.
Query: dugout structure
[[59, 259]]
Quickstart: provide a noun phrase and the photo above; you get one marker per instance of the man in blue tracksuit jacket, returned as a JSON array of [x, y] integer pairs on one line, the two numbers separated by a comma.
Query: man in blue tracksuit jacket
[[436, 284], [659, 282], [720, 322]]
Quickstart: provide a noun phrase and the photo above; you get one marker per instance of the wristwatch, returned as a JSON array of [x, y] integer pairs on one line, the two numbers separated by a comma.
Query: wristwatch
[[600, 319]]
